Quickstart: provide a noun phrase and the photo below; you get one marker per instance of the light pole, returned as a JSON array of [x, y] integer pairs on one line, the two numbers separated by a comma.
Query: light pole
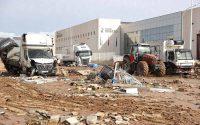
[[191, 25]]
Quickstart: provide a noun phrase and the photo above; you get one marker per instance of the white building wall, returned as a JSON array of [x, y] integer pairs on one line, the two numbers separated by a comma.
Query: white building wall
[[187, 27], [109, 39], [96, 34]]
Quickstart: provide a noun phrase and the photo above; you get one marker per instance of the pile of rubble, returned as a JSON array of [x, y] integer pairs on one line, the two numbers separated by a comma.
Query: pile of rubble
[[40, 117]]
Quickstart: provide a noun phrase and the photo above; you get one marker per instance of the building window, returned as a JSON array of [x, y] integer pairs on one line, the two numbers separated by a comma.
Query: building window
[[94, 32], [102, 30], [108, 42], [116, 42]]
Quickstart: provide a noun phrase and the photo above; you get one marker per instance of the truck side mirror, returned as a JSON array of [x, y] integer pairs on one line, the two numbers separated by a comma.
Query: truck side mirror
[[77, 54], [24, 37]]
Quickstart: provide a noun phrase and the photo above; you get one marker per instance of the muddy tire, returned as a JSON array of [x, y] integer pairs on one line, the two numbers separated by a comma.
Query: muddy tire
[[142, 68], [30, 72], [126, 64], [162, 69]]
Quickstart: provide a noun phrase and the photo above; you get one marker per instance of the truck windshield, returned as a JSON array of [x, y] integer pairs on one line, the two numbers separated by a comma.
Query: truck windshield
[[37, 53], [144, 49], [184, 55], [84, 53]]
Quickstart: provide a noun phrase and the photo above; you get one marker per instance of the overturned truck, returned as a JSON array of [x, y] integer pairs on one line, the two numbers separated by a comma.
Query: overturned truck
[[32, 54]]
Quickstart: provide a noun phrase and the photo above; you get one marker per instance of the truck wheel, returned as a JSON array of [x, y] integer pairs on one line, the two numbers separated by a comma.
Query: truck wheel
[[126, 64], [30, 72], [142, 68], [162, 69], [7, 68]]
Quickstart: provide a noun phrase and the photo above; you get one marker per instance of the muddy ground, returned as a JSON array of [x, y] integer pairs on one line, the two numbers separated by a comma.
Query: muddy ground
[[71, 94]]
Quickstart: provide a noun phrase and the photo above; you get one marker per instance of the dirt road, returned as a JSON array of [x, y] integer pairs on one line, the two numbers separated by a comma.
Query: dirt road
[[181, 107]]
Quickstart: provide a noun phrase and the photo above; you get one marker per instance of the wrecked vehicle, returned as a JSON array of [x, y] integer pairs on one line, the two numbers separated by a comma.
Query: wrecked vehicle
[[31, 54]]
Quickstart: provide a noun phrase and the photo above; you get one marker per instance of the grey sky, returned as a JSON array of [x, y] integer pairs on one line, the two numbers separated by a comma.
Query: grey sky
[[20, 16]]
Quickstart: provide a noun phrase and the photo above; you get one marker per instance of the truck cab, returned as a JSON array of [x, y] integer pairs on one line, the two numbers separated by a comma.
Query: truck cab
[[37, 54], [179, 60], [176, 58], [83, 54]]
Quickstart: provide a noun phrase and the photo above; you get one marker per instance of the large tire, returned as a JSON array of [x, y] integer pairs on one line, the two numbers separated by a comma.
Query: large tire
[[30, 72], [162, 69], [126, 64], [142, 68]]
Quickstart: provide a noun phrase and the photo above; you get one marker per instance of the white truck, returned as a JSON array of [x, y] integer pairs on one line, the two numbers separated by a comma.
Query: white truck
[[176, 58], [31, 54], [81, 54]]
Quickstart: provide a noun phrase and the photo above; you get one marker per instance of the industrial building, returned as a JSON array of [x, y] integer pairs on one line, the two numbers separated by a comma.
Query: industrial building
[[171, 26], [186, 26], [101, 35], [109, 37]]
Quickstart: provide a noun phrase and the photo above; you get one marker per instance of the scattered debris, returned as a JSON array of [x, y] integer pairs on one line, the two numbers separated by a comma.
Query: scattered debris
[[132, 91], [84, 72], [124, 77], [181, 90], [38, 79], [72, 121], [91, 76], [106, 73], [2, 111], [81, 99], [161, 90], [54, 119], [64, 73], [93, 65], [91, 119]]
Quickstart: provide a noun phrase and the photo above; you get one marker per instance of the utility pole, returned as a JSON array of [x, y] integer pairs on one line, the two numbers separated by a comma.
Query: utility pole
[[191, 25]]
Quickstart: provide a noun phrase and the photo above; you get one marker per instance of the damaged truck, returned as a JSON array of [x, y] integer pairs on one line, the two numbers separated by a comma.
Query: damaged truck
[[30, 54]]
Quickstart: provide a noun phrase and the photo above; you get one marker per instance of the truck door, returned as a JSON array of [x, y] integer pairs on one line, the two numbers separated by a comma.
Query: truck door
[[198, 46], [170, 56]]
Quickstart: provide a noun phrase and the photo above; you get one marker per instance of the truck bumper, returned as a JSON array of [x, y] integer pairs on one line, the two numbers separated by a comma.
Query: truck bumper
[[45, 69], [51, 72], [183, 70]]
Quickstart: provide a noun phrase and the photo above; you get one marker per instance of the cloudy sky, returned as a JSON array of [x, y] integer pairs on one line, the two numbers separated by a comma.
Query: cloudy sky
[[20, 16]]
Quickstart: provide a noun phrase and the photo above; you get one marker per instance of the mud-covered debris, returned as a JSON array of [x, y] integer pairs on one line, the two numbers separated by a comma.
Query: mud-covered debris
[[161, 90], [177, 81], [38, 79], [106, 73], [64, 73], [91, 119], [54, 119], [2, 111], [100, 115], [91, 76], [132, 91], [92, 65], [84, 72], [71, 121], [181, 90], [44, 114], [94, 86]]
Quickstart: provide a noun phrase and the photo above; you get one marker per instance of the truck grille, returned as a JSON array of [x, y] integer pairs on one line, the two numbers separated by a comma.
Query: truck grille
[[44, 67], [85, 61]]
